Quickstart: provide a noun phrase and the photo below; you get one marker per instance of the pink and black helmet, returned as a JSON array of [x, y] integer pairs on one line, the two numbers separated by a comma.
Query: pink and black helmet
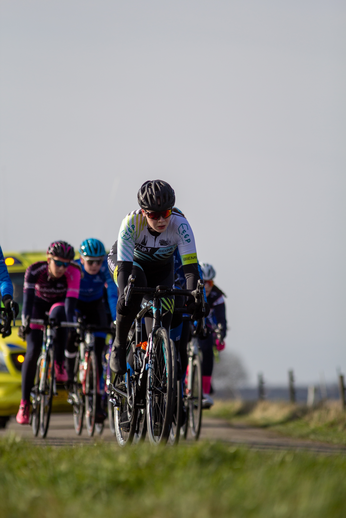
[[61, 249]]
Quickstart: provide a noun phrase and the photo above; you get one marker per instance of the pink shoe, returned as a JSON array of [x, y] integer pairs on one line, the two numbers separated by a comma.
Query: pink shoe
[[60, 373], [23, 415]]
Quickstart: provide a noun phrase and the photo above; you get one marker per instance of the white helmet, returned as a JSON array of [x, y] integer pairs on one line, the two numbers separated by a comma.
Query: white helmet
[[208, 271]]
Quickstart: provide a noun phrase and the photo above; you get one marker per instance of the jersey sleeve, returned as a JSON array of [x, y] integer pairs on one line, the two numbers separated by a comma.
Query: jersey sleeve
[[73, 276], [188, 252], [6, 287], [29, 290], [112, 294], [130, 229]]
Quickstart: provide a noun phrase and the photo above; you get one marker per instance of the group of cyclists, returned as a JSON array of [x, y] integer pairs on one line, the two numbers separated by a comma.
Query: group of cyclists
[[155, 246]]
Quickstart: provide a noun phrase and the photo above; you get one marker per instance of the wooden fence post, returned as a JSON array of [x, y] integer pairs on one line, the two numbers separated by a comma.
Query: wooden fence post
[[342, 391], [292, 391], [311, 401], [261, 391]]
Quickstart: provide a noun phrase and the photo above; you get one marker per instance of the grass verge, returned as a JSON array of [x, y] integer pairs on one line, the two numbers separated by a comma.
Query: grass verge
[[202, 479], [326, 422]]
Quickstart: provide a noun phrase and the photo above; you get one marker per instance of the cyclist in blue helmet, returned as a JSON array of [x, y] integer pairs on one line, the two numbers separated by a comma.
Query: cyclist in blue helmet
[[98, 296]]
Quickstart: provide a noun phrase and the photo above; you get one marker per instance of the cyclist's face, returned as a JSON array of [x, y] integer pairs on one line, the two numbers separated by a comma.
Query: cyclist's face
[[208, 286], [92, 265], [57, 270], [159, 225]]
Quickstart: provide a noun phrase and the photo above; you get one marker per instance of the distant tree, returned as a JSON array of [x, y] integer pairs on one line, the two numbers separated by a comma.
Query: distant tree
[[229, 374]]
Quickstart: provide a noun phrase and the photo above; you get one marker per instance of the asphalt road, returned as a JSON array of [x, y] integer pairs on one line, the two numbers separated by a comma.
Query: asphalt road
[[61, 432]]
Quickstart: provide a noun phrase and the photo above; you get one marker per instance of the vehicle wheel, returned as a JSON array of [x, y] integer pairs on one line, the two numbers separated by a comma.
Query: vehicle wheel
[[91, 393], [195, 399], [46, 396], [159, 388], [176, 401], [4, 420], [125, 413]]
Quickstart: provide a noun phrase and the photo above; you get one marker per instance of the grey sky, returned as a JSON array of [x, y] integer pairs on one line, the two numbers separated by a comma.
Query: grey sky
[[239, 105]]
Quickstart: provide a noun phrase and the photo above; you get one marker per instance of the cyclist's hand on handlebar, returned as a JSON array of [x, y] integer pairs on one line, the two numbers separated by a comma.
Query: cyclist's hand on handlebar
[[25, 329], [220, 345], [10, 306], [197, 311]]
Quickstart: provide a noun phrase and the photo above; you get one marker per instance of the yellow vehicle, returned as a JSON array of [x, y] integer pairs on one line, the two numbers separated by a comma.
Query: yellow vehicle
[[13, 348]]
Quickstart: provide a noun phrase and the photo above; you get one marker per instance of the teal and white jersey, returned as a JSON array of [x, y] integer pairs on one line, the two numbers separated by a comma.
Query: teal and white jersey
[[138, 245]]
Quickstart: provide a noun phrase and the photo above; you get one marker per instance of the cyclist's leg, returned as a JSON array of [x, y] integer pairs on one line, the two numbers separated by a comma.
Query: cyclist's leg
[[125, 317], [34, 344], [57, 312], [165, 278], [206, 346]]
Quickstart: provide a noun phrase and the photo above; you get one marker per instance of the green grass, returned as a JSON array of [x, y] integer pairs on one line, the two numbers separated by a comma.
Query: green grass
[[193, 480], [326, 422]]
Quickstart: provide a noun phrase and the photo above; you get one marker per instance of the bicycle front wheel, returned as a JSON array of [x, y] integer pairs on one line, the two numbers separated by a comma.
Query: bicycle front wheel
[[174, 433], [159, 388], [35, 412], [46, 395], [78, 398], [91, 393], [195, 399]]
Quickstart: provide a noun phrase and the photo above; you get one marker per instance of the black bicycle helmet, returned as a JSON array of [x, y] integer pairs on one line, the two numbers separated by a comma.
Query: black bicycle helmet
[[156, 195], [61, 249]]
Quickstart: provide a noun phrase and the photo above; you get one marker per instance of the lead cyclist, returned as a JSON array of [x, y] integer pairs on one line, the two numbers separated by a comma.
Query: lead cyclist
[[146, 243]]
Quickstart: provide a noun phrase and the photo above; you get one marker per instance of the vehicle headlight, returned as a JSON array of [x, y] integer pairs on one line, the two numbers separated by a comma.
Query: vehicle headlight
[[3, 366], [18, 360]]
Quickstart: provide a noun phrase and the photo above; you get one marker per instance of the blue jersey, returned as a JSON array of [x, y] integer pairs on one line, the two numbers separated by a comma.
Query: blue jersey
[[6, 287], [92, 287]]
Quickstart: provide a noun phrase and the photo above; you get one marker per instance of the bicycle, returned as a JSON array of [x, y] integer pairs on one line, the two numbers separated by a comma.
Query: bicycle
[[150, 381], [45, 383], [86, 380]]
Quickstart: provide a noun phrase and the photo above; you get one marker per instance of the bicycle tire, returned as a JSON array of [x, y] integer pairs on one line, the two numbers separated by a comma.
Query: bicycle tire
[[125, 415], [46, 396], [35, 411], [91, 393], [174, 433], [194, 418], [78, 400], [111, 417], [159, 388]]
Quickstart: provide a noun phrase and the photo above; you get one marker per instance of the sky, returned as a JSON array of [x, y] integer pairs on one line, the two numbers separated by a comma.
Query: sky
[[240, 106]]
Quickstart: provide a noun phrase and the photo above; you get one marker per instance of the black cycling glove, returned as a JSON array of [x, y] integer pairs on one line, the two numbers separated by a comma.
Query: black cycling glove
[[10, 305]]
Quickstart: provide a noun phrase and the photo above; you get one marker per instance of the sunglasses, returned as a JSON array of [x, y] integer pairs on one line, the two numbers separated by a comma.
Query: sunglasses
[[92, 261], [161, 214], [61, 263]]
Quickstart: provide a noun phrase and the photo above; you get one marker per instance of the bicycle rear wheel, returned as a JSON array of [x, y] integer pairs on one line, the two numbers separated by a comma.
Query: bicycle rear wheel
[[159, 388], [194, 418], [46, 396], [125, 412], [91, 393]]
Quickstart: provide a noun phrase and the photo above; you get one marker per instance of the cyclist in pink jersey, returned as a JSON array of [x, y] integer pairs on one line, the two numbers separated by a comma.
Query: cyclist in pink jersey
[[52, 287]]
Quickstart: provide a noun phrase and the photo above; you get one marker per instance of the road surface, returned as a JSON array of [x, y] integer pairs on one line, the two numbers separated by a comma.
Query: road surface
[[61, 432]]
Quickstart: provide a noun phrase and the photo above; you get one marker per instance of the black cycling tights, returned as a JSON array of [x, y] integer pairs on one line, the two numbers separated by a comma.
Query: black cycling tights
[[127, 314], [33, 350]]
